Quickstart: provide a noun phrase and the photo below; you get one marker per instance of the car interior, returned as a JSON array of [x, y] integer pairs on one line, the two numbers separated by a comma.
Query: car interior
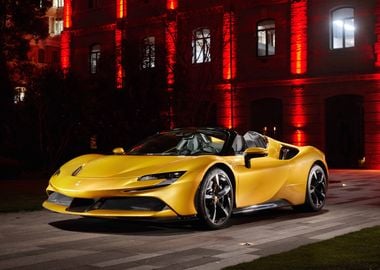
[[249, 139], [255, 139]]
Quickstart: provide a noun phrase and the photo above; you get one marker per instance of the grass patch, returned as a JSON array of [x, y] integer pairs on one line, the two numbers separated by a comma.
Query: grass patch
[[358, 250], [22, 195]]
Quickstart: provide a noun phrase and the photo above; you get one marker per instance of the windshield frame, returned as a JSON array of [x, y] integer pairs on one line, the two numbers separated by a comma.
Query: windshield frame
[[183, 134]]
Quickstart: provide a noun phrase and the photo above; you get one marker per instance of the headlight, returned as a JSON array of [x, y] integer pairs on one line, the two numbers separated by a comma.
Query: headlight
[[168, 178]]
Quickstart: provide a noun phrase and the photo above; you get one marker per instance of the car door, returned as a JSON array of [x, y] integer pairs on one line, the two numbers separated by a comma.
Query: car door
[[262, 181]]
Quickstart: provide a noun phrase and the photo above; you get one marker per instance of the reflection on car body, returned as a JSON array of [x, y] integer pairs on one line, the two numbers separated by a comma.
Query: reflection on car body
[[207, 173]]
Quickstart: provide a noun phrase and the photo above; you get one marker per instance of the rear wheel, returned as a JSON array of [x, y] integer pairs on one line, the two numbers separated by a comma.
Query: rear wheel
[[215, 199], [315, 190]]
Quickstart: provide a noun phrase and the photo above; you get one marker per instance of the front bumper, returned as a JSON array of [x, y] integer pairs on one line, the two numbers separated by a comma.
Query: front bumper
[[173, 201], [138, 207], [165, 213]]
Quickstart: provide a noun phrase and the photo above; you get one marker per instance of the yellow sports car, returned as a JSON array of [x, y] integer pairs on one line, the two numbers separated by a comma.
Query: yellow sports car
[[207, 173]]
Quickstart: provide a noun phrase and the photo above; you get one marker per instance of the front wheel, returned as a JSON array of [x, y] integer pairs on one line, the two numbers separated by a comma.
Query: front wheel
[[215, 199], [316, 188]]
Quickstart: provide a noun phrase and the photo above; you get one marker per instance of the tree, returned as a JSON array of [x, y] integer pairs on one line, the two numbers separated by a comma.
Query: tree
[[20, 21]]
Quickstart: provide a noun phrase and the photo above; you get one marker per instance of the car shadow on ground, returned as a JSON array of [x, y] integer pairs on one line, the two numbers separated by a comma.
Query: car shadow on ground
[[133, 227], [124, 226]]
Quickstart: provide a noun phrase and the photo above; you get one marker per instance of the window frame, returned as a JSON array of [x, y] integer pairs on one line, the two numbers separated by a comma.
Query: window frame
[[94, 57], [344, 31], [201, 45], [57, 26], [19, 94], [148, 53], [267, 32], [58, 3]]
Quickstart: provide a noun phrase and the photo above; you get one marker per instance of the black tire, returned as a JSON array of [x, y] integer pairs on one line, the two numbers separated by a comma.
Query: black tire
[[316, 188], [215, 199]]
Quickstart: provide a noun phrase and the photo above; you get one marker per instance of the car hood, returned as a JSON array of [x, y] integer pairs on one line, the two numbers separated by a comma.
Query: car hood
[[128, 166], [97, 173]]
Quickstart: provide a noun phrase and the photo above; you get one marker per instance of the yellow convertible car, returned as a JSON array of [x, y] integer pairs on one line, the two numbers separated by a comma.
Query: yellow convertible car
[[206, 173]]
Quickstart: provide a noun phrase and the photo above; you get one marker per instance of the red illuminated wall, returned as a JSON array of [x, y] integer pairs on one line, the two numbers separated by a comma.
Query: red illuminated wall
[[298, 116], [172, 4], [171, 51], [229, 68], [372, 129], [298, 66], [226, 114], [298, 38], [303, 73], [373, 135], [66, 36], [118, 59], [65, 50], [377, 33], [121, 13], [229, 46], [121, 9], [67, 14]]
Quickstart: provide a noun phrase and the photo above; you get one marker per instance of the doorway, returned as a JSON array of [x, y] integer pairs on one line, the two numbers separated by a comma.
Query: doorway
[[344, 120]]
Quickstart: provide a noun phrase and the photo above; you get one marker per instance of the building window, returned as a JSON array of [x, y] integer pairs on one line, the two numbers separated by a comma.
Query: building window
[[55, 26], [94, 58], [58, 26], [201, 46], [342, 28], [266, 38], [20, 92], [148, 53], [58, 3], [41, 56]]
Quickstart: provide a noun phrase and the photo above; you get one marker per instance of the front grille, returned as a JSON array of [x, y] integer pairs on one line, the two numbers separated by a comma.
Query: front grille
[[132, 203], [114, 203], [81, 205], [59, 199]]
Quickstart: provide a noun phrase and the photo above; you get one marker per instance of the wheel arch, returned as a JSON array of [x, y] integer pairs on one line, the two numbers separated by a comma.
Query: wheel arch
[[323, 166], [200, 205], [229, 172]]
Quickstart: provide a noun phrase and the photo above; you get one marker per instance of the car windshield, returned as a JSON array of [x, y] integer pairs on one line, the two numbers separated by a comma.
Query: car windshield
[[182, 143]]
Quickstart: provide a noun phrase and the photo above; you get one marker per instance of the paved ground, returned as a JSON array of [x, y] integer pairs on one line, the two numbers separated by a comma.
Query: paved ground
[[44, 240]]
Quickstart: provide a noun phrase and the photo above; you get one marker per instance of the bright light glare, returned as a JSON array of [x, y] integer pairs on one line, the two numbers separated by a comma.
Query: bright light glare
[[347, 27]]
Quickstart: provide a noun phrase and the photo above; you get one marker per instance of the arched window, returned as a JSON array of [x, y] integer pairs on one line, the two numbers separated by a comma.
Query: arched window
[[201, 45], [94, 58], [148, 53], [342, 28], [266, 38]]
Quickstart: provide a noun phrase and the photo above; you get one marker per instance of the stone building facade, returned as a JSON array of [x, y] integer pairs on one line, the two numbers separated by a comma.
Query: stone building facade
[[303, 71]]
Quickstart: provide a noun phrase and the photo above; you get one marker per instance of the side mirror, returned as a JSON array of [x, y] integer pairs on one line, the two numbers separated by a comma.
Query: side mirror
[[253, 152], [118, 151]]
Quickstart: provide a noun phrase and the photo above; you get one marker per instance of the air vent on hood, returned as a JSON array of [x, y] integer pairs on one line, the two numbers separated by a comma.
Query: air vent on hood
[[76, 172]]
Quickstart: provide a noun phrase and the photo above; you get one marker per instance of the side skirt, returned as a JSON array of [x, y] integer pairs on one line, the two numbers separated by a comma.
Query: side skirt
[[263, 206]]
